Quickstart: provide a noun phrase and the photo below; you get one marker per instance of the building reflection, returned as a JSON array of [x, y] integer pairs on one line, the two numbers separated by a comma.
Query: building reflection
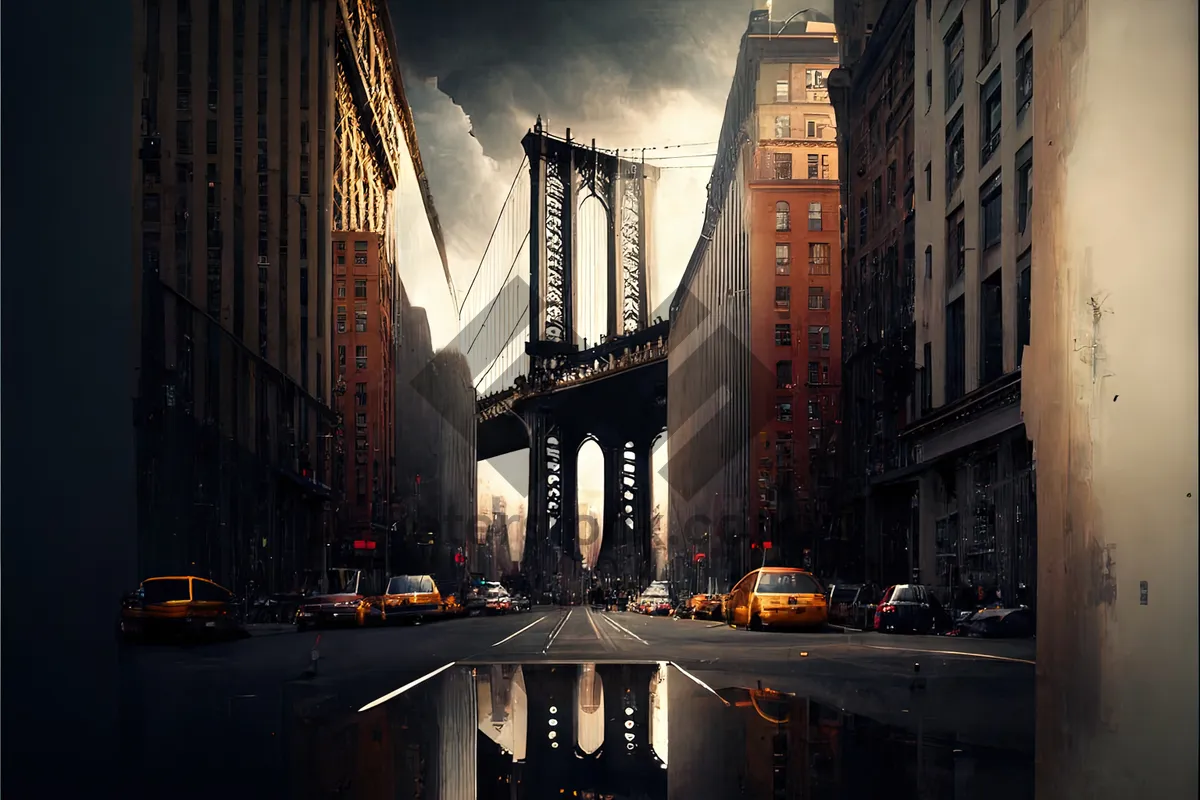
[[600, 732]]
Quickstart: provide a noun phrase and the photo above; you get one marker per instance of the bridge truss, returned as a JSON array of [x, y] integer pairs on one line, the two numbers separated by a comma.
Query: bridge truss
[[560, 339]]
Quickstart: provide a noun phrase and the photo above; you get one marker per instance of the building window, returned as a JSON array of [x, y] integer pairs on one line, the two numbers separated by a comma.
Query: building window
[[891, 184], [183, 137], [360, 258], [818, 337], [1024, 76], [989, 38], [954, 62], [210, 137], [877, 196], [783, 374], [360, 356], [818, 258], [340, 245], [927, 378], [990, 125], [1024, 186], [956, 350], [360, 246], [991, 333], [929, 262], [783, 334], [928, 90], [783, 298], [1022, 7], [814, 166], [360, 318], [955, 153], [825, 372], [341, 260], [341, 353], [1024, 295], [783, 216], [929, 181], [360, 394], [814, 217], [814, 409], [824, 168], [783, 127], [341, 319], [783, 91], [991, 211], [783, 411], [956, 247], [810, 129], [341, 289], [783, 258], [360, 289], [816, 298], [783, 166], [815, 78], [814, 372], [864, 218]]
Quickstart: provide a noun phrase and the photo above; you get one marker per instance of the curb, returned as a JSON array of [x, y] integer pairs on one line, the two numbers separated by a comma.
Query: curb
[[269, 629]]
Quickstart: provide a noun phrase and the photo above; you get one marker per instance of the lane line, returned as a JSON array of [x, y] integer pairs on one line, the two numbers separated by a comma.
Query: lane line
[[695, 680], [592, 622], [557, 630], [518, 633], [953, 653], [405, 687], [621, 627]]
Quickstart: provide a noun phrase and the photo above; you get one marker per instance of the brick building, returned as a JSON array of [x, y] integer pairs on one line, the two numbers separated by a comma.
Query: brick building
[[364, 290], [795, 284]]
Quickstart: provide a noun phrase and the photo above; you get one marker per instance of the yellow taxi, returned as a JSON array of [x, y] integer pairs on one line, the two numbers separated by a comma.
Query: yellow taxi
[[777, 597], [183, 605], [408, 597]]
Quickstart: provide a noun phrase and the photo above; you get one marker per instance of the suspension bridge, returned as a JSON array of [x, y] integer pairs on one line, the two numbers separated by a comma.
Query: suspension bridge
[[559, 334]]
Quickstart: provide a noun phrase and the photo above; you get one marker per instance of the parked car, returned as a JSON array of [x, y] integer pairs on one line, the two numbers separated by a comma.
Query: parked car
[[179, 606], [910, 608], [997, 623], [411, 598], [784, 597], [343, 601], [852, 605]]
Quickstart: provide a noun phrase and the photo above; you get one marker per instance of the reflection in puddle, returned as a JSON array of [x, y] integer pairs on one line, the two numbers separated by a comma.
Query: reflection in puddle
[[600, 731]]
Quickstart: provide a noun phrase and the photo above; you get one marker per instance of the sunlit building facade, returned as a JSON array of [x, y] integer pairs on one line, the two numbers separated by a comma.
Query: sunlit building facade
[[795, 290]]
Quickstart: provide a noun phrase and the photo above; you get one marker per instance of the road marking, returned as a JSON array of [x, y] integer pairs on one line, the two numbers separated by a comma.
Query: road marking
[[695, 680], [621, 627], [557, 630], [518, 633], [405, 687], [953, 653], [592, 622]]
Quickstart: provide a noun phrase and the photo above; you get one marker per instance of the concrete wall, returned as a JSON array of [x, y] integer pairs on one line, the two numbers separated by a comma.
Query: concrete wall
[[1110, 397]]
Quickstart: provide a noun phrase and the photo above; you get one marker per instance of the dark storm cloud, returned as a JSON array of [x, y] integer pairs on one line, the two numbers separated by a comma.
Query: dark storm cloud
[[506, 61]]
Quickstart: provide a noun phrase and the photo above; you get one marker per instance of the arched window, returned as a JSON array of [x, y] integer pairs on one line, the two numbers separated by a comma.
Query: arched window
[[783, 216]]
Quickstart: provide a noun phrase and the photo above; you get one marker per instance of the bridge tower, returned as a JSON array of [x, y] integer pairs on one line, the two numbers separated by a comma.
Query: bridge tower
[[563, 174]]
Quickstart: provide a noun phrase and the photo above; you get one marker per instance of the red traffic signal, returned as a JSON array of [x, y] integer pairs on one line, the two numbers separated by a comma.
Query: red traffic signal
[[766, 545]]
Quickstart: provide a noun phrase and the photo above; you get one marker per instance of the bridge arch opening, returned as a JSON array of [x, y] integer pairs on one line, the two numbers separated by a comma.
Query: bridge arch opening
[[591, 272], [659, 501], [590, 499]]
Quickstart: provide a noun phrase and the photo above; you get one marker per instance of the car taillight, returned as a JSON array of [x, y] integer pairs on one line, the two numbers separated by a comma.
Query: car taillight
[[887, 609]]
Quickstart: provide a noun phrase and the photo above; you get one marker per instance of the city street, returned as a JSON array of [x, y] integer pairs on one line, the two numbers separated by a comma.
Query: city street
[[237, 701]]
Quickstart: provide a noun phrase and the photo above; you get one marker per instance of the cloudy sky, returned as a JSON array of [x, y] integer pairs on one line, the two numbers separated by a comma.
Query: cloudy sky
[[629, 73]]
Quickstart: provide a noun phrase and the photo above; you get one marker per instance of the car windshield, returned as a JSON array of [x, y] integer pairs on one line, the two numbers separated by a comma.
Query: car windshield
[[409, 584], [164, 590], [787, 583]]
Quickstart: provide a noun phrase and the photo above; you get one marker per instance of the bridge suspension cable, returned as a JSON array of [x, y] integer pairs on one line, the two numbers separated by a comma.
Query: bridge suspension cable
[[495, 307], [499, 217]]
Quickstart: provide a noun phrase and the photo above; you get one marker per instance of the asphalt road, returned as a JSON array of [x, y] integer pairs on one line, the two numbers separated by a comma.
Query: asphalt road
[[230, 705]]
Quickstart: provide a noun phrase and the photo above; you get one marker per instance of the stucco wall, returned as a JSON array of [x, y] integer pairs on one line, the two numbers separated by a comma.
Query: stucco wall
[[1110, 397]]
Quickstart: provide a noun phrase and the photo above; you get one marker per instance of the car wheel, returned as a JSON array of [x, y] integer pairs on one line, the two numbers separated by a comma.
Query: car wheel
[[755, 623]]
